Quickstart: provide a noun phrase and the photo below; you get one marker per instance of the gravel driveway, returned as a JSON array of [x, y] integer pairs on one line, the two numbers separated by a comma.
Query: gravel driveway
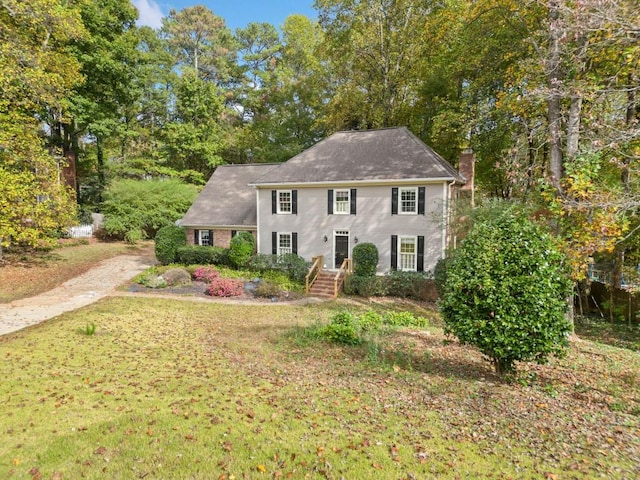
[[83, 290]]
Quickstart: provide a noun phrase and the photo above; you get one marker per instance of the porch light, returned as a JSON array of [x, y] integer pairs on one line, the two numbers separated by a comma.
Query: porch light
[[325, 239]]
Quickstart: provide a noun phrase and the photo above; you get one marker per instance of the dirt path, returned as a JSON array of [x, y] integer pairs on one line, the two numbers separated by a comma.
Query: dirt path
[[83, 290]]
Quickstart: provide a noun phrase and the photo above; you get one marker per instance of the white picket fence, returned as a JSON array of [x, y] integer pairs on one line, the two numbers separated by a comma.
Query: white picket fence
[[81, 231]]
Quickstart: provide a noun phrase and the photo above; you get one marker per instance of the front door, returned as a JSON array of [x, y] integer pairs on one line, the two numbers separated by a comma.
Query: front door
[[341, 247]]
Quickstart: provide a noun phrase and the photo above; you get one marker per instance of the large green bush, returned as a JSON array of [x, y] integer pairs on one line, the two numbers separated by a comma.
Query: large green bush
[[167, 242], [136, 209], [365, 260], [506, 291], [241, 249]]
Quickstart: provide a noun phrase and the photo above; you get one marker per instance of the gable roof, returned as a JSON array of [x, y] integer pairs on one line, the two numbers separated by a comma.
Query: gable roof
[[227, 200], [361, 156]]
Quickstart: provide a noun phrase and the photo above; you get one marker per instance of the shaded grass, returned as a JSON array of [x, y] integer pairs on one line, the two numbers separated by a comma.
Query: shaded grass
[[172, 389], [616, 334], [34, 272]]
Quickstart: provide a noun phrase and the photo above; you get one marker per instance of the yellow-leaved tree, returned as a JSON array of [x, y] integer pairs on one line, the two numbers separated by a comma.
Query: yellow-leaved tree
[[36, 73]]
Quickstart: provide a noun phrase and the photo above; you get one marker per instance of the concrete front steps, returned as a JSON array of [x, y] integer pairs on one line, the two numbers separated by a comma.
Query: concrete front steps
[[323, 287]]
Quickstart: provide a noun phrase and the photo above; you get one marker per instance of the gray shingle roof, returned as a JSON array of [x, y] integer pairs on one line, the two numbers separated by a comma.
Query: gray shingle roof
[[227, 199], [367, 155]]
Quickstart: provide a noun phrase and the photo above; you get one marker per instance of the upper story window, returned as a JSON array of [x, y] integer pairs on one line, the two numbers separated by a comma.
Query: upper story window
[[342, 202], [284, 201], [408, 200]]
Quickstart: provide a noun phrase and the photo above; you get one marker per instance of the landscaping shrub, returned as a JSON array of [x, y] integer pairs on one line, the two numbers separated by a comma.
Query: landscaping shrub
[[364, 286], [506, 291], [201, 255], [268, 290], [205, 274], [343, 329], [407, 284], [440, 275], [241, 249], [294, 266], [349, 329], [167, 242], [135, 209], [176, 277], [225, 287], [365, 260]]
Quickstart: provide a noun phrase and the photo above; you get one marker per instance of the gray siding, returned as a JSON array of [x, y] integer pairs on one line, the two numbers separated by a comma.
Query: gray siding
[[373, 223]]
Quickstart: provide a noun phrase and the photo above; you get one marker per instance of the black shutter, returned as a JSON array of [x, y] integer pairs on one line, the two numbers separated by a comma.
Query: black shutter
[[421, 201], [353, 201], [274, 201], [274, 243], [294, 202], [420, 266], [294, 243], [233, 233], [211, 238], [394, 252], [196, 237], [394, 201], [330, 202]]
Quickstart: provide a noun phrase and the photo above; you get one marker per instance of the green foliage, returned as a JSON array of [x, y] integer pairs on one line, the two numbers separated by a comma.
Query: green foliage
[[365, 286], [267, 289], [365, 259], [167, 242], [201, 255], [405, 319], [349, 329], [241, 249], [140, 208], [89, 329], [343, 329], [506, 291], [407, 284], [294, 266], [440, 275]]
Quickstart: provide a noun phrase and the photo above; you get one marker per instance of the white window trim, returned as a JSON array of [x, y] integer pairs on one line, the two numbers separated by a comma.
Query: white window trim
[[407, 189], [279, 211], [415, 253], [200, 232], [335, 201], [283, 234]]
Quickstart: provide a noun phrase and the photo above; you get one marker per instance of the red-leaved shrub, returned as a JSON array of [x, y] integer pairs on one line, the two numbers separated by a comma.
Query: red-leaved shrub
[[225, 287], [205, 274]]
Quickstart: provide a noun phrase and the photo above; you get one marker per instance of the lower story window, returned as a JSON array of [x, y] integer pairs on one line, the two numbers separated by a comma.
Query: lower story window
[[407, 254], [205, 238], [285, 245]]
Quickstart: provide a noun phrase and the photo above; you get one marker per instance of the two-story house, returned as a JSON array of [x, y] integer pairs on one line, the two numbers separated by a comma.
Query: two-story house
[[384, 187]]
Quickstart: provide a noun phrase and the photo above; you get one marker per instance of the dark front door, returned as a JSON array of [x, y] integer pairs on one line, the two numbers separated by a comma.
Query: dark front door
[[341, 248]]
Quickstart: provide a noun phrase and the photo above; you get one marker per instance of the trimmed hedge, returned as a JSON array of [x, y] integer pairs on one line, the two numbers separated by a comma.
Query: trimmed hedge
[[241, 249], [201, 255]]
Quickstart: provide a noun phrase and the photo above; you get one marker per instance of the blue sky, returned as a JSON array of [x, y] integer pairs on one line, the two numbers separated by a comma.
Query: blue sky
[[237, 13]]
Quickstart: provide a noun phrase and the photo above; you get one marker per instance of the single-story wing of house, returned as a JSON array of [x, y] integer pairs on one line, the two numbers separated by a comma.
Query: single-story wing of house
[[384, 187]]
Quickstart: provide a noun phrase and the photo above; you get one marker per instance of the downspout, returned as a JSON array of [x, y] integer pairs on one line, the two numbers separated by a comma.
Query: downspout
[[446, 238]]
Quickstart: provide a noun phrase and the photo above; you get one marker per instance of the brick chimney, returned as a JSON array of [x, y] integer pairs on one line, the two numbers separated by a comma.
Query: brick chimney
[[467, 168]]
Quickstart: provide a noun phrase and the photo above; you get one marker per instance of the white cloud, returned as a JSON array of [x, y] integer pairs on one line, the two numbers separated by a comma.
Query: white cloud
[[150, 13]]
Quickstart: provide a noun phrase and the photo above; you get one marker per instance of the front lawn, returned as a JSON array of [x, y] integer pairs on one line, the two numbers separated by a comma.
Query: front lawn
[[180, 389]]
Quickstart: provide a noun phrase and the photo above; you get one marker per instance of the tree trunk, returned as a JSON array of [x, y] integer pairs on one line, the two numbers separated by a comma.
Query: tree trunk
[[554, 107]]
